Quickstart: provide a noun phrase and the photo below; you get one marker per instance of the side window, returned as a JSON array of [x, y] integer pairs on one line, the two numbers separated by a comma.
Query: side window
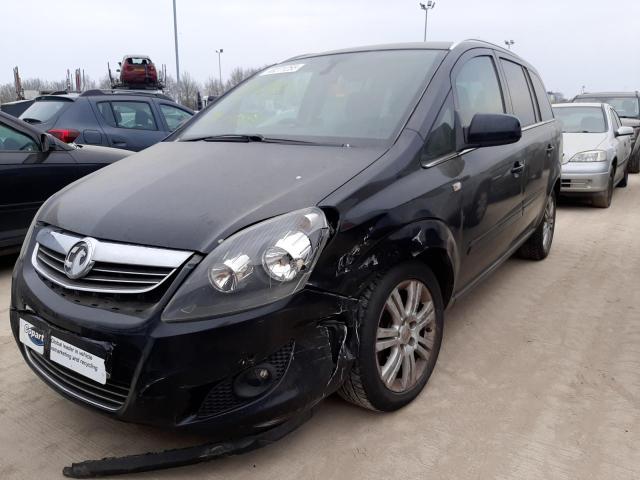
[[442, 137], [13, 141], [173, 116], [134, 115], [520, 93], [616, 120], [543, 99], [477, 89]]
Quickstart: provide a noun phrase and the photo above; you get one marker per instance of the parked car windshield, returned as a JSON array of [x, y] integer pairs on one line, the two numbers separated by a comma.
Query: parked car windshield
[[624, 106], [42, 110], [355, 98], [581, 119]]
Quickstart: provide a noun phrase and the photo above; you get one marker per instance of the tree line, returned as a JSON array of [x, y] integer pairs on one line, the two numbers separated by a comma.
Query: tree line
[[185, 93]]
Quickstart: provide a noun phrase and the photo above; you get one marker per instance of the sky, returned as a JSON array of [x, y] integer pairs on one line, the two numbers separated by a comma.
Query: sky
[[570, 42]]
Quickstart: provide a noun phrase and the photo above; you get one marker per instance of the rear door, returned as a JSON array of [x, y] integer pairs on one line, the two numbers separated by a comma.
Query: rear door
[[27, 178], [130, 124], [492, 187], [539, 142]]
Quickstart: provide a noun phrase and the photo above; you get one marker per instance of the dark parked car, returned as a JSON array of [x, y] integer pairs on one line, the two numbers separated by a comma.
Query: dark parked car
[[302, 235], [33, 166], [113, 118], [627, 106]]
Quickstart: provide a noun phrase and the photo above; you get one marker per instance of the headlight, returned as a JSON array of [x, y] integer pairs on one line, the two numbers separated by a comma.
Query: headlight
[[590, 156], [256, 266]]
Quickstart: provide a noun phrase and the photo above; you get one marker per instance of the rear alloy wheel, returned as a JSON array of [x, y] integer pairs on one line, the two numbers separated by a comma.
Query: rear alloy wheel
[[401, 325], [538, 245], [603, 199]]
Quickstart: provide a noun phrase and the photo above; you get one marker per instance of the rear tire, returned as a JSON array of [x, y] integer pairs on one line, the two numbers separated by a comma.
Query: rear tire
[[538, 245], [634, 165], [603, 199], [401, 319]]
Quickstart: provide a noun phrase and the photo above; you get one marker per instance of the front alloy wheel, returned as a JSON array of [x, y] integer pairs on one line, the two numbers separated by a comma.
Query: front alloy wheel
[[405, 335], [400, 332]]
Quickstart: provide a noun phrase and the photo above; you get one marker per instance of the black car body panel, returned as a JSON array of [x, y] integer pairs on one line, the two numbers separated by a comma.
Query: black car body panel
[[28, 178], [462, 213]]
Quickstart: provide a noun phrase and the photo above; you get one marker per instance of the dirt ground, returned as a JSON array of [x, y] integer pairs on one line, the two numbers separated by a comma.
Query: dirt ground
[[538, 378]]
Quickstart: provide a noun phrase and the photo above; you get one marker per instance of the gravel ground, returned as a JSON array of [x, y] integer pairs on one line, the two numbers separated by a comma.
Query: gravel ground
[[538, 377]]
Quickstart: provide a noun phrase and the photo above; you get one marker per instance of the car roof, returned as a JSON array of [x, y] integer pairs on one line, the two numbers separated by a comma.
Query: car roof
[[607, 94], [96, 93], [131, 55], [384, 46], [579, 104], [445, 46]]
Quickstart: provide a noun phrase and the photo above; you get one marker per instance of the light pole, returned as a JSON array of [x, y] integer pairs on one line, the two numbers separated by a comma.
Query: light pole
[[430, 4], [175, 34], [219, 52], [509, 43]]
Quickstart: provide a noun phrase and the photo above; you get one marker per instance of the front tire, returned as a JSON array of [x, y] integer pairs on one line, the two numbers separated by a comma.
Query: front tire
[[401, 321], [603, 199], [538, 245]]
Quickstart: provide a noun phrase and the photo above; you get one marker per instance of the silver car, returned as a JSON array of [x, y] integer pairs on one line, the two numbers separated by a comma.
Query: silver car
[[596, 150]]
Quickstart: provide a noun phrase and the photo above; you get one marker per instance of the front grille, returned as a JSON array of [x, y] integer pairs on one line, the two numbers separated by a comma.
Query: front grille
[[117, 268], [104, 276], [221, 398], [110, 396]]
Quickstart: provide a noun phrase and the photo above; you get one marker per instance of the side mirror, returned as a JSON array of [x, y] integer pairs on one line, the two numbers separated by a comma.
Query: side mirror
[[493, 129], [46, 144], [624, 131], [118, 70]]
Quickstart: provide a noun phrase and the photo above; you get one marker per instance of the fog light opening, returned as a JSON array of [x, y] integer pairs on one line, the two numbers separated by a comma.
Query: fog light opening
[[254, 381]]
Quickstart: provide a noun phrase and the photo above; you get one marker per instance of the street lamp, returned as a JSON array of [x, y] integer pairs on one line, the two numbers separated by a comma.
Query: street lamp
[[509, 43], [175, 34], [219, 52], [430, 4]]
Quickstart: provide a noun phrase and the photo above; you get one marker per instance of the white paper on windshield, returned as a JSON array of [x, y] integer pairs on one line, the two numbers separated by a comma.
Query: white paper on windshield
[[283, 69]]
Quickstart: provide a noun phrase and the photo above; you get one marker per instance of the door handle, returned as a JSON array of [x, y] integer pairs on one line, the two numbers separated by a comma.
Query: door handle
[[518, 168], [550, 148]]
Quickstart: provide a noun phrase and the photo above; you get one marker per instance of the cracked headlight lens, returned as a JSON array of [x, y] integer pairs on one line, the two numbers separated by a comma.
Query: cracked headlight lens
[[259, 265]]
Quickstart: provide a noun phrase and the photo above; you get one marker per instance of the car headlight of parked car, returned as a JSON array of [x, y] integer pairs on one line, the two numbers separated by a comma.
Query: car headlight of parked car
[[256, 266], [590, 156]]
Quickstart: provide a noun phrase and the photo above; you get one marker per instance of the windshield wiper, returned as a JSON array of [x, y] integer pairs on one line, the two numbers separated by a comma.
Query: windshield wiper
[[256, 137]]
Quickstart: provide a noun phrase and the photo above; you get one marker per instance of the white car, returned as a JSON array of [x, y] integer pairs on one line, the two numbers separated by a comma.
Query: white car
[[596, 150]]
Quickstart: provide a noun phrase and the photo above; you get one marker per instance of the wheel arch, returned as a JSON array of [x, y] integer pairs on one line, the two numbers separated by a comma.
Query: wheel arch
[[428, 241]]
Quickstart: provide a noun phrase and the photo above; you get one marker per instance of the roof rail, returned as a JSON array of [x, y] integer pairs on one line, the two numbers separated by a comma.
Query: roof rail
[[96, 92]]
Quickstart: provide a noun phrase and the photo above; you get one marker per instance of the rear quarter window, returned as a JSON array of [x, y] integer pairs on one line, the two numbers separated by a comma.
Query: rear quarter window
[[43, 110]]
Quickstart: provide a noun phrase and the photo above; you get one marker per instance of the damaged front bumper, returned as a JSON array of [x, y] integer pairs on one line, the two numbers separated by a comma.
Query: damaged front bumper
[[228, 377]]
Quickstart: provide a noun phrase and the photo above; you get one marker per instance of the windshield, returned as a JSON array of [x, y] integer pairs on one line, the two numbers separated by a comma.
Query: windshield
[[42, 110], [581, 119], [624, 106], [352, 98]]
